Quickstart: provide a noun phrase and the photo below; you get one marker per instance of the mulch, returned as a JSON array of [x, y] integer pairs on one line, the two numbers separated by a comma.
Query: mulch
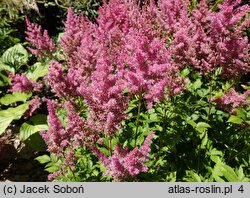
[[17, 161]]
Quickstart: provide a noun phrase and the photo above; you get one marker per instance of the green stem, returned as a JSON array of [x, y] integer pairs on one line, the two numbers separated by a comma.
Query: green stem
[[138, 118], [199, 159], [163, 128], [235, 145], [110, 146], [244, 149], [70, 168], [210, 104]]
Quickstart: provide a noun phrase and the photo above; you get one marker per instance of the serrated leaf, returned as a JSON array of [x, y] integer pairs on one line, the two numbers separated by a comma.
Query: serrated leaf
[[14, 97], [218, 71], [140, 139], [197, 84], [240, 173], [114, 142], [203, 92], [153, 117], [7, 116], [184, 72], [235, 119], [202, 126], [53, 157], [216, 172], [43, 159], [191, 122], [229, 173], [215, 158], [194, 176], [130, 108]]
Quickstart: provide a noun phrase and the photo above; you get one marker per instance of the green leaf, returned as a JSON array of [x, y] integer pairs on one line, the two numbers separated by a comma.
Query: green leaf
[[197, 84], [218, 71], [27, 130], [202, 126], [43, 159], [240, 173], [53, 157], [191, 122], [235, 119], [114, 142], [7, 116], [4, 80], [216, 173], [229, 174], [184, 72], [171, 177], [203, 92], [14, 97], [38, 119], [37, 70], [59, 37], [6, 67], [204, 141], [15, 56], [53, 169], [105, 151], [193, 177], [153, 117]]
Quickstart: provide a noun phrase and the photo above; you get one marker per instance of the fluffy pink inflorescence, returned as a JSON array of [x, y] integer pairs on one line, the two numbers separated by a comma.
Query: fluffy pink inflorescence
[[209, 39], [231, 100], [59, 81], [34, 104], [124, 164], [114, 55], [56, 137], [125, 50], [43, 44], [61, 140], [20, 83]]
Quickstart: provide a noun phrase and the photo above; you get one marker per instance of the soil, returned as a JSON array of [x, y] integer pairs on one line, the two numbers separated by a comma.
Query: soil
[[17, 161]]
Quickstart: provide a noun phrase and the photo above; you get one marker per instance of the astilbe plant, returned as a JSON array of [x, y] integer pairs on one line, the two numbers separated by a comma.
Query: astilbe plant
[[208, 39], [231, 100], [138, 51], [43, 44], [124, 164], [20, 83], [104, 60]]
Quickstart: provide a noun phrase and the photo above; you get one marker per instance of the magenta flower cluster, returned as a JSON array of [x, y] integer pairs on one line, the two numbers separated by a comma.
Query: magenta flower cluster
[[124, 164], [134, 51], [231, 100], [208, 39], [43, 44], [20, 83]]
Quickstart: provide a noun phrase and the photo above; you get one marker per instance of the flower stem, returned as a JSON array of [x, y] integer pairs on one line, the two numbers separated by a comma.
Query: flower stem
[[110, 146], [138, 119], [71, 170]]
